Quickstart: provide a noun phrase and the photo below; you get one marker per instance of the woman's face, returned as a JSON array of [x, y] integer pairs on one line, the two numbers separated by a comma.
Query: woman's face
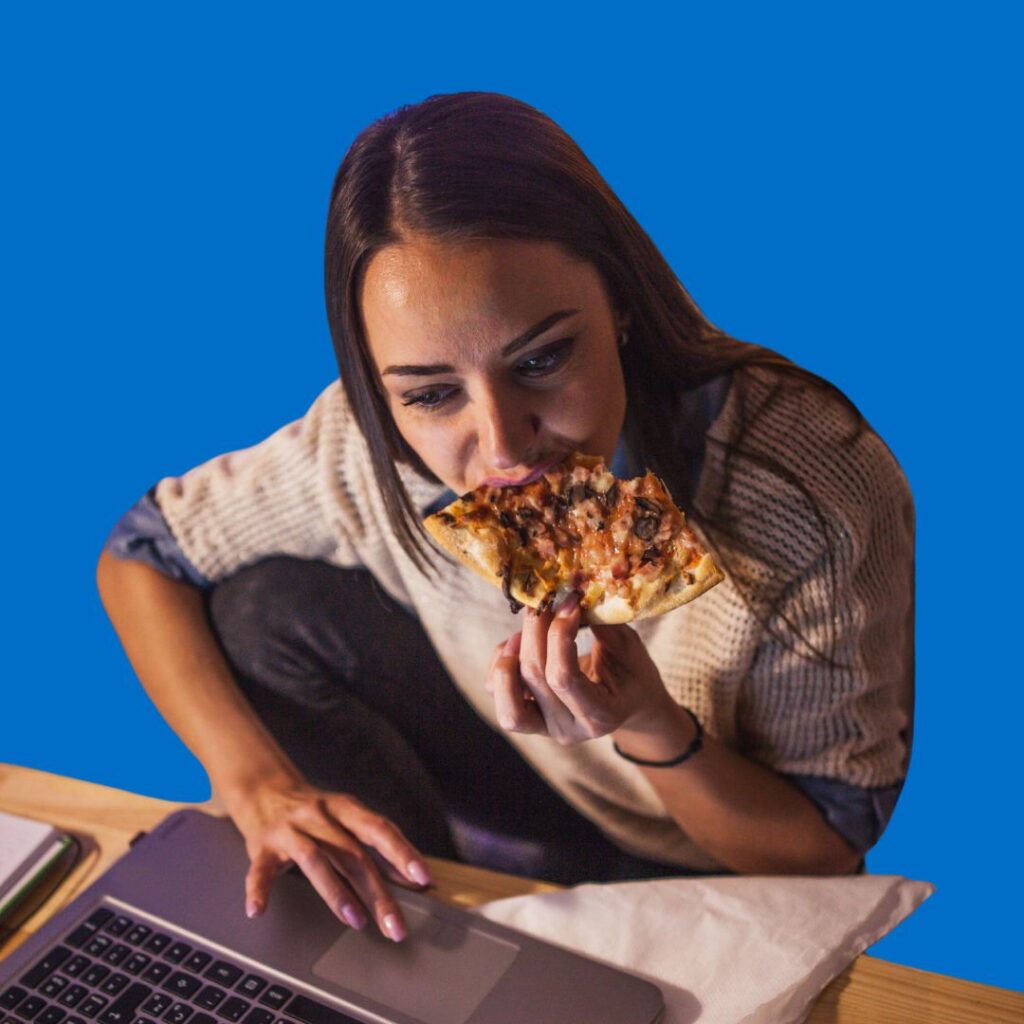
[[497, 356]]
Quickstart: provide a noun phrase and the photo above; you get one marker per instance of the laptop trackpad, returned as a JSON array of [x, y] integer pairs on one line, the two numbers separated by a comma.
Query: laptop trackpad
[[439, 974]]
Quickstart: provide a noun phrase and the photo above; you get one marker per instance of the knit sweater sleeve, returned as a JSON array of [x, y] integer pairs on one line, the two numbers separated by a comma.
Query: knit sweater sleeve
[[299, 492], [828, 692]]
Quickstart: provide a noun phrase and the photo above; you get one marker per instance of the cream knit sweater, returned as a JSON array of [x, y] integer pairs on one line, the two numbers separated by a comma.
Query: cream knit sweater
[[308, 491]]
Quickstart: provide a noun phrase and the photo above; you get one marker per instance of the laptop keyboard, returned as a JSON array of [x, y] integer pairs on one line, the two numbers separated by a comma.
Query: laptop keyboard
[[113, 970]]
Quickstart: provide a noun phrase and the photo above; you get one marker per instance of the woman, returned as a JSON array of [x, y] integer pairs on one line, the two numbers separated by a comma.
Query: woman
[[358, 700]]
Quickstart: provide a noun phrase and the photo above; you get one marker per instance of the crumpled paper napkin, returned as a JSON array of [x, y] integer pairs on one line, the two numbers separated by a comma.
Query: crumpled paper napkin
[[723, 950]]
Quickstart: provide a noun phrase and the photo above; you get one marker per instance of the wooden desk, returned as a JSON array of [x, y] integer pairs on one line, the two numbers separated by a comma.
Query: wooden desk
[[870, 991]]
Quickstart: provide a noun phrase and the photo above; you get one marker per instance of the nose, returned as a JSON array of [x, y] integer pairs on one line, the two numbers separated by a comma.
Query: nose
[[507, 431]]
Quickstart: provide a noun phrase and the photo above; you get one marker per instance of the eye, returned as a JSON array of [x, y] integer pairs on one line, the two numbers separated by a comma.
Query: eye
[[432, 399], [546, 359]]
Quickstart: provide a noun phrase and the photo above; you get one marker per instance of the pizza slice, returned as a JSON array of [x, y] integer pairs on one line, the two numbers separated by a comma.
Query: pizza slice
[[623, 545]]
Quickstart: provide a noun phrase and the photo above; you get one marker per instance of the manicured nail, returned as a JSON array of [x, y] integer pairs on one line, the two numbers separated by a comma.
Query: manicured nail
[[353, 916], [511, 643], [569, 605], [252, 908], [393, 928], [418, 872]]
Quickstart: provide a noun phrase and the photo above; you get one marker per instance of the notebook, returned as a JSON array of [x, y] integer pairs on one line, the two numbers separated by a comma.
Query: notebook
[[28, 851], [162, 936]]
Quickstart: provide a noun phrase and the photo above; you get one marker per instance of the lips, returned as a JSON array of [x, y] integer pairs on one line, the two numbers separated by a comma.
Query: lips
[[534, 474]]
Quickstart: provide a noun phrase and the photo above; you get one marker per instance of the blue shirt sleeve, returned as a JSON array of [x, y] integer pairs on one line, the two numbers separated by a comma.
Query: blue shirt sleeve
[[142, 535], [857, 813]]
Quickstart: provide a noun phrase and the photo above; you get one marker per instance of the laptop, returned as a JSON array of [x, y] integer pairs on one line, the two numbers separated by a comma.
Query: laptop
[[162, 938]]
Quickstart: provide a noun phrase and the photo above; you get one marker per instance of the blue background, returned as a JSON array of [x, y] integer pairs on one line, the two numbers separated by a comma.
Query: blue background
[[841, 185]]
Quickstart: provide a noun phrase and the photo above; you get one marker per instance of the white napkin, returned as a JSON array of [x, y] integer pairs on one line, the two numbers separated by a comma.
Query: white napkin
[[751, 949]]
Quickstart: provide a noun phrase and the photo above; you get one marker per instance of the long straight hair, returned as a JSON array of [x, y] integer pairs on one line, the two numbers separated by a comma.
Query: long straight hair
[[477, 165]]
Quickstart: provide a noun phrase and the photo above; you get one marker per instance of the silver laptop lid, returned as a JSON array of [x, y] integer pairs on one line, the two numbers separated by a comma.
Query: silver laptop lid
[[183, 882]]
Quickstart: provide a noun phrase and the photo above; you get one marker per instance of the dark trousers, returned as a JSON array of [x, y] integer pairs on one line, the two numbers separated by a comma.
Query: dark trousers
[[349, 685]]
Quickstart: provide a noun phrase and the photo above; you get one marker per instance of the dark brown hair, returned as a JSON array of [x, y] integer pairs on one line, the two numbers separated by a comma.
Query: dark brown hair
[[483, 165]]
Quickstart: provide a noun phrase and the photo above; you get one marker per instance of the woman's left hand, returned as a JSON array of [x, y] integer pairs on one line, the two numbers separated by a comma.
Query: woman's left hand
[[573, 698]]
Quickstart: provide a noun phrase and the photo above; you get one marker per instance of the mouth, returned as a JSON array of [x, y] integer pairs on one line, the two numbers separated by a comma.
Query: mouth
[[534, 474]]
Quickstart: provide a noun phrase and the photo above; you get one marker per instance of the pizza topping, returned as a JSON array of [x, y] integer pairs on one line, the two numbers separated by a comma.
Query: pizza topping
[[650, 555], [579, 528], [646, 527], [512, 602]]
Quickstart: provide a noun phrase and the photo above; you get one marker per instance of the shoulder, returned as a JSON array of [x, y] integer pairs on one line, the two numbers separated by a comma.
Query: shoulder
[[793, 473]]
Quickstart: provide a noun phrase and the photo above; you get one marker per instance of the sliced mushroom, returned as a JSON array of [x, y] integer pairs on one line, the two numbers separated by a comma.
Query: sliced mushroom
[[650, 555], [506, 574], [646, 527], [649, 506]]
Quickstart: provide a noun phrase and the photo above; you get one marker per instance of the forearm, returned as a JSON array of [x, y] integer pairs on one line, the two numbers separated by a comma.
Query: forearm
[[163, 627], [746, 816]]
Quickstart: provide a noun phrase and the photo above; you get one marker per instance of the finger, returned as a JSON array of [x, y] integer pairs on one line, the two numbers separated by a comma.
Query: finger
[[595, 709], [384, 836], [488, 681], [314, 862], [558, 720], [513, 711], [356, 864], [263, 869]]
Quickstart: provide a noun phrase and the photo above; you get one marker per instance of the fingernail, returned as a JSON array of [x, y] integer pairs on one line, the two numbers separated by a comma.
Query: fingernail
[[353, 916], [569, 605], [418, 872], [394, 928], [252, 908]]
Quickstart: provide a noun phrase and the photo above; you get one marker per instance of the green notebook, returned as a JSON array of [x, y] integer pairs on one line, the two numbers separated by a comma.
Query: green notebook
[[34, 856]]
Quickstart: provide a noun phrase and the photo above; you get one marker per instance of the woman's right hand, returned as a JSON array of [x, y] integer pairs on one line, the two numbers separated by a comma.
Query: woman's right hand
[[330, 837]]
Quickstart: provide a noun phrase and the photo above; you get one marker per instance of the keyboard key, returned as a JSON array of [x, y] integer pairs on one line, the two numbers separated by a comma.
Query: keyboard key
[[11, 997], [114, 984], [224, 973], [311, 1012], [119, 925], [157, 1003], [257, 1015], [158, 943], [138, 935], [76, 965], [98, 945], [177, 952], [93, 1005], [210, 998], [122, 1010], [197, 961], [276, 996], [143, 1020], [30, 1007], [234, 1009], [74, 1020], [117, 953], [80, 936], [203, 1018], [45, 967], [95, 974], [251, 987], [136, 963], [51, 1015], [73, 996], [182, 985], [53, 986], [178, 1014], [156, 972], [85, 931]]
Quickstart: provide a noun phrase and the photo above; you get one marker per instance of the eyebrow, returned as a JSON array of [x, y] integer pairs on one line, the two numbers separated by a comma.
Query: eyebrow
[[410, 369]]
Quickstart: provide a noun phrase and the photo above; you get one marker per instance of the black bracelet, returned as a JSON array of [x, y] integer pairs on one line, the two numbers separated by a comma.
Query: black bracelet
[[695, 745]]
